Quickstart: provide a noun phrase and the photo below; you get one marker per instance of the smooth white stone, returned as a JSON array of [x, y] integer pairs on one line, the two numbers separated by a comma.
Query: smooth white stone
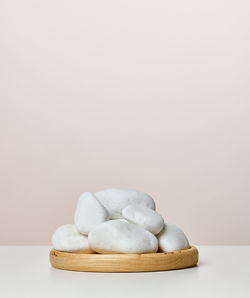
[[143, 217], [115, 199], [172, 238], [89, 213], [67, 238], [117, 236]]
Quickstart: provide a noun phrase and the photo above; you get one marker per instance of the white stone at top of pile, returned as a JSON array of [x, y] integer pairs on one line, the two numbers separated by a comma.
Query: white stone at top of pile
[[115, 199], [118, 236], [172, 238], [89, 213], [67, 238], [144, 217]]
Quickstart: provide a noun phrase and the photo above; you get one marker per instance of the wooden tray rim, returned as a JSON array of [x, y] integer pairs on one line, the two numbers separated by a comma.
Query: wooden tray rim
[[96, 262]]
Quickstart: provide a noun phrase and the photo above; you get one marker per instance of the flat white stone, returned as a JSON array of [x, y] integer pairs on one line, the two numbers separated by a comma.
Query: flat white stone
[[117, 236], [67, 238], [143, 217], [115, 199], [89, 213], [172, 238]]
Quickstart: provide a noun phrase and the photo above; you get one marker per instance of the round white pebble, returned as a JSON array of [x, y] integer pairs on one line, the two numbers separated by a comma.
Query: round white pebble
[[67, 238], [117, 236], [115, 199], [172, 238], [144, 217], [89, 213]]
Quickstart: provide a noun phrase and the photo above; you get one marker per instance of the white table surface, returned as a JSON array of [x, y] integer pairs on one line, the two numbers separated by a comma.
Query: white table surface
[[223, 271]]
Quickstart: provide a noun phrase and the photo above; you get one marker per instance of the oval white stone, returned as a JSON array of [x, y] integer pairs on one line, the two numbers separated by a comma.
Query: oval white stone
[[143, 217], [117, 236], [67, 238], [172, 238], [115, 199], [89, 213]]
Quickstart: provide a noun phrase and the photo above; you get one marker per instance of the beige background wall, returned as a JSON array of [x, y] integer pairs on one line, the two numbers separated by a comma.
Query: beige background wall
[[152, 95]]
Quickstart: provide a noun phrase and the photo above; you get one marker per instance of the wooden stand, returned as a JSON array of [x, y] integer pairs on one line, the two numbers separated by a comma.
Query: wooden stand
[[124, 262]]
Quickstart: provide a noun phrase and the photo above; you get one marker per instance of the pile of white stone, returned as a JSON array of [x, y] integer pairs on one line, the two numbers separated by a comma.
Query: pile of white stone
[[118, 221]]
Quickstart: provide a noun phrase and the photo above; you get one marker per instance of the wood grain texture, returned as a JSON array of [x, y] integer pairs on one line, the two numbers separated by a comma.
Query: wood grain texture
[[124, 262]]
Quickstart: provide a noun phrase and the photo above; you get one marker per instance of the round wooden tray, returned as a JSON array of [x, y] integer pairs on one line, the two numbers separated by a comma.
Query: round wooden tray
[[124, 262]]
